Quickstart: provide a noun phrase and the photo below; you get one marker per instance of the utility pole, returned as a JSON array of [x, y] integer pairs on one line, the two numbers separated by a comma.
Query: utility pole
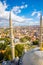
[[12, 37]]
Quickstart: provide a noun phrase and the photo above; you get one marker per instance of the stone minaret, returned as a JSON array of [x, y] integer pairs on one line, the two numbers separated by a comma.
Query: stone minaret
[[40, 28], [11, 37], [41, 31]]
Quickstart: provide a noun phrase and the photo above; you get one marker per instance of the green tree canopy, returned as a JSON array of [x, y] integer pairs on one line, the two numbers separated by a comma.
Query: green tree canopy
[[24, 39], [7, 54], [19, 50], [36, 42], [1, 57]]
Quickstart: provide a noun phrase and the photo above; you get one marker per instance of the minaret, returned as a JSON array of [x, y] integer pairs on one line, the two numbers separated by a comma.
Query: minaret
[[11, 37], [40, 28], [41, 32]]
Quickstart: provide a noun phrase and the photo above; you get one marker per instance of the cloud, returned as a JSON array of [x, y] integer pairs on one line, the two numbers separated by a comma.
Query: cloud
[[42, 17], [33, 13], [24, 6], [16, 20], [4, 15], [3, 6], [18, 9], [37, 13], [34, 23]]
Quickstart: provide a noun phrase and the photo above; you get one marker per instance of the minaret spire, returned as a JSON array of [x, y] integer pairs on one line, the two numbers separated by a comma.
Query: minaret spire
[[11, 36], [40, 28], [41, 32]]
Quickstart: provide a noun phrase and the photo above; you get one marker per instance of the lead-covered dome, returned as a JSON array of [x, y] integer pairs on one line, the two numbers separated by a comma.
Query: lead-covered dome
[[32, 57]]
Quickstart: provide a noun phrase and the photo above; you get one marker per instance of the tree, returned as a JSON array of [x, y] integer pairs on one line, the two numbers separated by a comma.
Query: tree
[[36, 42], [7, 41], [7, 54], [24, 39], [27, 37], [19, 50], [1, 56], [2, 46]]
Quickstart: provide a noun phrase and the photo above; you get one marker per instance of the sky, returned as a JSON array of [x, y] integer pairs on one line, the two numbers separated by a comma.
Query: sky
[[23, 12]]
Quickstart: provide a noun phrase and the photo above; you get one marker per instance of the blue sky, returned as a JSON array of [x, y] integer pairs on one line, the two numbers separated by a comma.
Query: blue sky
[[24, 12]]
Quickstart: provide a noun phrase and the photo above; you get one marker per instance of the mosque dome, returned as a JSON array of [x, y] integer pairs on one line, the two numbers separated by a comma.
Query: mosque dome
[[32, 57]]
